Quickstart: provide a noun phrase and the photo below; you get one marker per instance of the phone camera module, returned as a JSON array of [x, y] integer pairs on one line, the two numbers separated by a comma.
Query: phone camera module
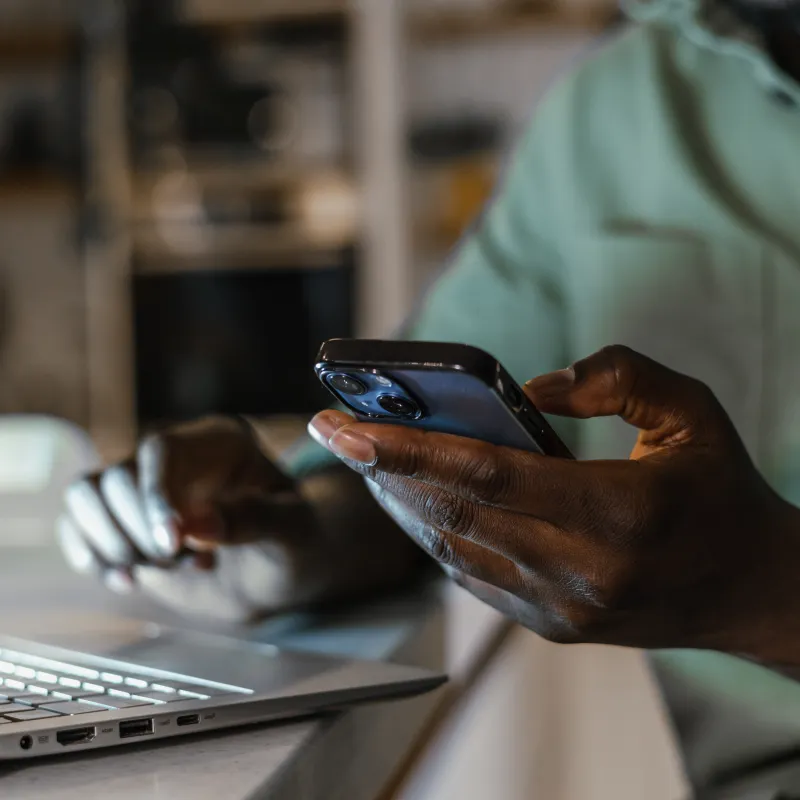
[[347, 384], [399, 406]]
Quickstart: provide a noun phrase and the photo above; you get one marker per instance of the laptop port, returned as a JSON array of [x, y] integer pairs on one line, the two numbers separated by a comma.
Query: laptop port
[[188, 719], [76, 736], [26, 742], [135, 727]]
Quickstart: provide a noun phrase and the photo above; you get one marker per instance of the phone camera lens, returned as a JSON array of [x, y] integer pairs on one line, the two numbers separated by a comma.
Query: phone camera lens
[[347, 384], [399, 406]]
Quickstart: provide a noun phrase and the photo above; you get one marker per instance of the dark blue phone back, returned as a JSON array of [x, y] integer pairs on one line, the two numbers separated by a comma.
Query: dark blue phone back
[[461, 404]]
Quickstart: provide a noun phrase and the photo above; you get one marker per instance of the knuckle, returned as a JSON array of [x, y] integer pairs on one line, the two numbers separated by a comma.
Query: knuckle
[[448, 512], [409, 460], [489, 477], [439, 547], [621, 363]]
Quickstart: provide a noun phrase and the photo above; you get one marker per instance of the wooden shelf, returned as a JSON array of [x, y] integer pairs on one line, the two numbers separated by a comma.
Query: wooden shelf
[[253, 175], [243, 12], [233, 247], [443, 26], [34, 46]]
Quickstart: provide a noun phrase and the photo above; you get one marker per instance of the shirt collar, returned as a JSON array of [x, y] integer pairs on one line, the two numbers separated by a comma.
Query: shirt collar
[[713, 25]]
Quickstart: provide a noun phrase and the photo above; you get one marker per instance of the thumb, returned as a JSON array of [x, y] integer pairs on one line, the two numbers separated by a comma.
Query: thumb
[[668, 407]]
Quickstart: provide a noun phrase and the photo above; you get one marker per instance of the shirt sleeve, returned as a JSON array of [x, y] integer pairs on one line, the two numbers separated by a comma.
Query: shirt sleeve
[[502, 289]]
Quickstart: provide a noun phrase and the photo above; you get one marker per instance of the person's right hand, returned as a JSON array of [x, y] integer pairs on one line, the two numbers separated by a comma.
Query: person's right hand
[[201, 520]]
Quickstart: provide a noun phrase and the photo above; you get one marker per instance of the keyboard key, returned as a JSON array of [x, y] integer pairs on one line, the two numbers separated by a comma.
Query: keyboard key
[[13, 708], [73, 708], [25, 672], [65, 693], [161, 686], [46, 677], [158, 697], [30, 714], [191, 689], [49, 664], [116, 702], [137, 683], [100, 687], [35, 688], [110, 677], [22, 696], [193, 695]]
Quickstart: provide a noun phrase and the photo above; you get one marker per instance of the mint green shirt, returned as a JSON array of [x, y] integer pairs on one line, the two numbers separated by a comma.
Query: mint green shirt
[[655, 202]]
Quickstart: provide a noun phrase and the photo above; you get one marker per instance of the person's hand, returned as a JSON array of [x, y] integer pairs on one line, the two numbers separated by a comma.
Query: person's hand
[[684, 545], [201, 520]]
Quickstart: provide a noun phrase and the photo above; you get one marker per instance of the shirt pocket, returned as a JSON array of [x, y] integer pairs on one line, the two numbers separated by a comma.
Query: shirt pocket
[[693, 303]]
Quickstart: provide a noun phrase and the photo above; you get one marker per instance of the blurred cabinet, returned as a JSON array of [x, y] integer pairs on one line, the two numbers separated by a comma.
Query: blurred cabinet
[[42, 308], [239, 148]]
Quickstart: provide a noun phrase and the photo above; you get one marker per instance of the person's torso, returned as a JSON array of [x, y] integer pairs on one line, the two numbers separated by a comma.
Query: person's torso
[[685, 239]]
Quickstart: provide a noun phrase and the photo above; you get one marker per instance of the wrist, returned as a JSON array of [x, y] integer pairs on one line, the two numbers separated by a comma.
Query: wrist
[[769, 631]]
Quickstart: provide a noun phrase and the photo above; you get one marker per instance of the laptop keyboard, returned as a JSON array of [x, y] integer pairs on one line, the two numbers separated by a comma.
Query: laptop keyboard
[[32, 687]]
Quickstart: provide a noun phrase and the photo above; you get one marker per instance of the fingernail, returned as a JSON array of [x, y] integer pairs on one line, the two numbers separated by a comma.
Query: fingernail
[[200, 545], [553, 384], [353, 446], [166, 538], [322, 428], [118, 581]]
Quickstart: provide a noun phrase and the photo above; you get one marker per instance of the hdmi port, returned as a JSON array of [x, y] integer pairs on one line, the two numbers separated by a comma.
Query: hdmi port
[[76, 736]]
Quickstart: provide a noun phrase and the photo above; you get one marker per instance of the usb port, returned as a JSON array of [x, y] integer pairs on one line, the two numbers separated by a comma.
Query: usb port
[[76, 736], [188, 719], [135, 727]]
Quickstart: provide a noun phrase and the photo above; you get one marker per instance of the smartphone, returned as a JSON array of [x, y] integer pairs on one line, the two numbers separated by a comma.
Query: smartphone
[[448, 388]]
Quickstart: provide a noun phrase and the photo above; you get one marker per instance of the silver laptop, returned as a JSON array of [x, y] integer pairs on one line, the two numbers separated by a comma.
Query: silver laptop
[[55, 701]]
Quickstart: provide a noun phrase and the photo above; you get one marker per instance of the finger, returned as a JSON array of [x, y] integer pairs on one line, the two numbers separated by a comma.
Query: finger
[[246, 515], [82, 557], [191, 477], [119, 489], [450, 551], [668, 406], [556, 490], [326, 423], [87, 509], [77, 551], [163, 519], [533, 544]]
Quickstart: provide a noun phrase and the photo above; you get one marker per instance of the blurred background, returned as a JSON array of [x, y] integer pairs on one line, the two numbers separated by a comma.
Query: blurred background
[[195, 193]]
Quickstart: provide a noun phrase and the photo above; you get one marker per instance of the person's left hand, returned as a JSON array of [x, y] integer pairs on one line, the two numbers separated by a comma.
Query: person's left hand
[[684, 545]]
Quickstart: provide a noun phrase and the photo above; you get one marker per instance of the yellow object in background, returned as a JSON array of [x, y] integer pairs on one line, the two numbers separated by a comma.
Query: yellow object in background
[[466, 187]]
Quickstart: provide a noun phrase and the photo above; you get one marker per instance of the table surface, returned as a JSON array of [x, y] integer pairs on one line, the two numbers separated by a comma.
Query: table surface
[[350, 755]]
